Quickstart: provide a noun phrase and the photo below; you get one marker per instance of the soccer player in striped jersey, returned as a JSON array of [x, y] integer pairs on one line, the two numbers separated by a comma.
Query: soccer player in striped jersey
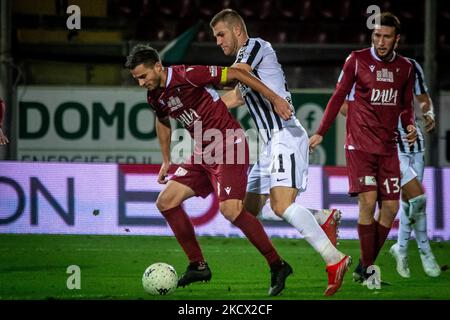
[[413, 205], [282, 167], [3, 137], [379, 85]]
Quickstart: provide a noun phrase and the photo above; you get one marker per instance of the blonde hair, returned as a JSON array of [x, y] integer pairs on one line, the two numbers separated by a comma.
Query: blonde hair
[[230, 17]]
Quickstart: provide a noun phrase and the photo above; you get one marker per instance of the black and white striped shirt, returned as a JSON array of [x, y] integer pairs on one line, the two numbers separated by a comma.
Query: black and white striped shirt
[[260, 55], [420, 87]]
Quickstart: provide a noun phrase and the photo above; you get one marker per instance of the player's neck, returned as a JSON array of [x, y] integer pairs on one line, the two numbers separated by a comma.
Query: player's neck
[[242, 41], [163, 81]]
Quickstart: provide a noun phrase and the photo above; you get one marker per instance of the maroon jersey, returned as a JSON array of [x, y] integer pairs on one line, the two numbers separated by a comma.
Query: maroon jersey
[[189, 98], [378, 93]]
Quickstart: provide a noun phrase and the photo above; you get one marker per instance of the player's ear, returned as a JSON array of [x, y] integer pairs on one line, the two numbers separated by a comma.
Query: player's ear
[[397, 40], [237, 29], [158, 67]]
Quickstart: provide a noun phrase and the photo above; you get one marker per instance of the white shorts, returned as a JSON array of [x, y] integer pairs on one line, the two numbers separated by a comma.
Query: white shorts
[[283, 161], [411, 166]]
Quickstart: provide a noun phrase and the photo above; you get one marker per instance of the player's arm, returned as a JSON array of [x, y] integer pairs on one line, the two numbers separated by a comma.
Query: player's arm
[[407, 115], [281, 106], [164, 132], [426, 105], [3, 138], [343, 87], [344, 108], [233, 98]]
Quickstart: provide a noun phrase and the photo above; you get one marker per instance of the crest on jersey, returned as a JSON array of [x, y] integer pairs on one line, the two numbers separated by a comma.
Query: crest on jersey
[[384, 75], [174, 103]]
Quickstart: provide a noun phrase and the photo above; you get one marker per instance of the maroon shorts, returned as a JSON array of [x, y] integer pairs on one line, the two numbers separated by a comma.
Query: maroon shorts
[[373, 172], [227, 180]]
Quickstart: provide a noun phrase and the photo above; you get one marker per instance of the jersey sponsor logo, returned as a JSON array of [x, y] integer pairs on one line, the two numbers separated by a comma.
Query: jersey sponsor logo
[[368, 181], [371, 67], [384, 97], [174, 103], [384, 75], [227, 190], [188, 117], [180, 172]]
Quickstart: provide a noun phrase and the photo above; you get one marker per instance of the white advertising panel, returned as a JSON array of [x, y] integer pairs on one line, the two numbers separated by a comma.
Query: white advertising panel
[[120, 199]]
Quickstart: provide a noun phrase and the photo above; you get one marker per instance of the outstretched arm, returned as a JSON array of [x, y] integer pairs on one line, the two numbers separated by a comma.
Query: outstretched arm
[[281, 106]]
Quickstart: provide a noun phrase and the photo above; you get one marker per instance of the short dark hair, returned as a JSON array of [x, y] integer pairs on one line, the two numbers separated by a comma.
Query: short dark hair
[[228, 16], [390, 20], [142, 54]]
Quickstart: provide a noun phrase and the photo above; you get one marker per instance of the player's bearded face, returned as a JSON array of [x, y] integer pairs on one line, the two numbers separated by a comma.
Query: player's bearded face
[[225, 38], [149, 78], [384, 41]]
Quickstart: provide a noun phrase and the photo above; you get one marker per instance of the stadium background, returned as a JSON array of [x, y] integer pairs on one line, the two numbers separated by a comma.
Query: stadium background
[[82, 138]]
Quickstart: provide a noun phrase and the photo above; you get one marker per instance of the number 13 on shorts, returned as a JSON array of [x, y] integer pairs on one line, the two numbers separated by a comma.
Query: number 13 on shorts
[[392, 185]]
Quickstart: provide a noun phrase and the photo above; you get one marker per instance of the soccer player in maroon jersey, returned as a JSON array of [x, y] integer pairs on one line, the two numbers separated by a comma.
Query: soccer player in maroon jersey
[[184, 93], [379, 84], [3, 137]]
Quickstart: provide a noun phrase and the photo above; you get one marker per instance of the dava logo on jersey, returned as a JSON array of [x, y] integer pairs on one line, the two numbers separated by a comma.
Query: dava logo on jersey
[[384, 97]]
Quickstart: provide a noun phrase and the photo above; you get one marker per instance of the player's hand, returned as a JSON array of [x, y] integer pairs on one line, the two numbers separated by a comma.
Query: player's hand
[[282, 108], [429, 122], [162, 175], [412, 134], [314, 141], [3, 138]]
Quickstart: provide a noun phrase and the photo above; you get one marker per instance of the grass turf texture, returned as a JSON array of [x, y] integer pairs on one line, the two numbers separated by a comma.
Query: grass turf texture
[[34, 267]]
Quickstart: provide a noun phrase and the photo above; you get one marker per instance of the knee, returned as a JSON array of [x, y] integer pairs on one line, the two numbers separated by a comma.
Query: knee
[[165, 202], [391, 207], [230, 210], [367, 204], [418, 204], [278, 207]]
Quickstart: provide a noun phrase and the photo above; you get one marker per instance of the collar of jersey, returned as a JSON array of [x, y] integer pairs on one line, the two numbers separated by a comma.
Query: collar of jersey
[[169, 76], [374, 55]]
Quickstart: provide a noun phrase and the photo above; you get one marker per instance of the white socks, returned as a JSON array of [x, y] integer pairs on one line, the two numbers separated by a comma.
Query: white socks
[[413, 211], [303, 220], [417, 207], [404, 229]]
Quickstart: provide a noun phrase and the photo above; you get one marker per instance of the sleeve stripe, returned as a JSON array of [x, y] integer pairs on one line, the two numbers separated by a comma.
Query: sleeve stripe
[[224, 76]]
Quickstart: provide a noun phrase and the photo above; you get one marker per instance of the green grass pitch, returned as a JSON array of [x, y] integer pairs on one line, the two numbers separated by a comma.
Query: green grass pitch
[[35, 267]]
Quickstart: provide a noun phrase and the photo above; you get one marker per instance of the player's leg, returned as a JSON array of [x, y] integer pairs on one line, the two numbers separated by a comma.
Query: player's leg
[[230, 181], [187, 182], [362, 171], [289, 170], [417, 203], [388, 181], [259, 182], [400, 249]]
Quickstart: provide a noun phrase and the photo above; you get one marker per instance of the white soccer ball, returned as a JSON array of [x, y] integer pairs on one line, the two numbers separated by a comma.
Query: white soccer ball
[[160, 279]]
